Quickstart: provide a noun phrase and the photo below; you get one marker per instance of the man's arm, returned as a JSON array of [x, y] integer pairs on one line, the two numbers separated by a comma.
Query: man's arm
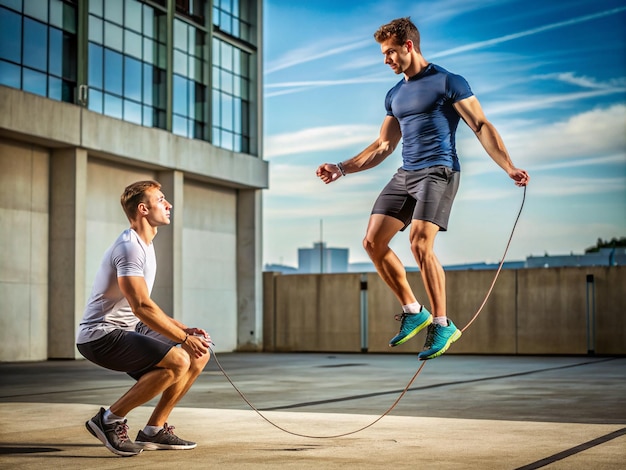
[[371, 156], [472, 113], [136, 292]]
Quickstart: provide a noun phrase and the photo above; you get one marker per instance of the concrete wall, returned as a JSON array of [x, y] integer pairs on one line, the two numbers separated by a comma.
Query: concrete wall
[[316, 313], [210, 271], [530, 311], [23, 250]]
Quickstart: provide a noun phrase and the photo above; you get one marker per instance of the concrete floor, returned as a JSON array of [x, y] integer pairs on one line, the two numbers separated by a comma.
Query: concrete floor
[[324, 411]]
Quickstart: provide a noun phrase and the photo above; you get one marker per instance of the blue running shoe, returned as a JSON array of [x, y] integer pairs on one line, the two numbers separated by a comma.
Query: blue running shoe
[[438, 340], [411, 324]]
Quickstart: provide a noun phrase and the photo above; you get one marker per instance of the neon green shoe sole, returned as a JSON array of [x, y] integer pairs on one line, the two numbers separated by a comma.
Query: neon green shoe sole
[[411, 324], [438, 340]]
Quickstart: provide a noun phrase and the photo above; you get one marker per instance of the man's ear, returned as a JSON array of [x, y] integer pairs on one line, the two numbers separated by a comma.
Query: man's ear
[[142, 208], [409, 45]]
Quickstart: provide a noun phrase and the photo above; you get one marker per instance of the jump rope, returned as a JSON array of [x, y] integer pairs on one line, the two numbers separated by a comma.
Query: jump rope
[[406, 389]]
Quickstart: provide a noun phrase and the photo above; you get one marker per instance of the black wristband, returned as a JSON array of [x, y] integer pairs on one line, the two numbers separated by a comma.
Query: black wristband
[[341, 168]]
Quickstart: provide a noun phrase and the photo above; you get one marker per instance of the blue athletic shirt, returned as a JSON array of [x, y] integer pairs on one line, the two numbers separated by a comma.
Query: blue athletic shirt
[[428, 121]]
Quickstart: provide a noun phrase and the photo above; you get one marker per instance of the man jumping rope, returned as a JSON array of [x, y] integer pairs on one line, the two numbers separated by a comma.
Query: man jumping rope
[[423, 110]]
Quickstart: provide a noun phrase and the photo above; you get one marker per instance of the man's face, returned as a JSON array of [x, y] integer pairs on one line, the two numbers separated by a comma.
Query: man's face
[[158, 208], [397, 56]]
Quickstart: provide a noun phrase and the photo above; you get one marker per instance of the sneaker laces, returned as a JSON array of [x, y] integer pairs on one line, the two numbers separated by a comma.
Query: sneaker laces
[[430, 337], [400, 316], [121, 429], [167, 429]]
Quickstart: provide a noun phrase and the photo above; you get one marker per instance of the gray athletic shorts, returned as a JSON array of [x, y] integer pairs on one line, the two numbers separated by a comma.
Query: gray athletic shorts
[[134, 352], [425, 194]]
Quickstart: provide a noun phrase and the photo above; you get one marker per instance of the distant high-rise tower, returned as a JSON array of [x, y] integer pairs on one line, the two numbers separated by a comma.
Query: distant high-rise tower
[[321, 259]]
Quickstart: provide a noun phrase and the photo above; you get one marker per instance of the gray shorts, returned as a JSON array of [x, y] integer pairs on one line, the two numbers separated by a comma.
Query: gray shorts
[[134, 352], [425, 194]]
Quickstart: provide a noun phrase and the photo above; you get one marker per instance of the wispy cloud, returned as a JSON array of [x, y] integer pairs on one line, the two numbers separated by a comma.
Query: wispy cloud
[[295, 87], [592, 137], [528, 32], [553, 186], [547, 101], [616, 84], [318, 139], [311, 53]]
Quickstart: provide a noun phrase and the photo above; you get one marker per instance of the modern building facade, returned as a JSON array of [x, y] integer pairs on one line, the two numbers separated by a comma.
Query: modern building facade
[[96, 94]]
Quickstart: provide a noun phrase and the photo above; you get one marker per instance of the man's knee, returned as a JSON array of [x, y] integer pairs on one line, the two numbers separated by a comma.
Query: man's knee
[[177, 361], [198, 363], [374, 247]]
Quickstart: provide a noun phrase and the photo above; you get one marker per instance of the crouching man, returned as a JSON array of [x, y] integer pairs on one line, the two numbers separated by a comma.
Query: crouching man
[[123, 329]]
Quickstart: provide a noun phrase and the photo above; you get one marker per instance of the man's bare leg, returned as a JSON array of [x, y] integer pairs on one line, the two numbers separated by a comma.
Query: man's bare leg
[[172, 368], [175, 392], [433, 276], [380, 230], [442, 333]]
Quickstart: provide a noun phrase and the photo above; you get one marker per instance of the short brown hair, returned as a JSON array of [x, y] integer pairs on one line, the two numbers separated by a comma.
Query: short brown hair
[[402, 29], [134, 194]]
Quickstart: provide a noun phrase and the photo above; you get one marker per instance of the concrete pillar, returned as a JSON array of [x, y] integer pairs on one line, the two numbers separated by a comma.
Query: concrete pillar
[[66, 294], [168, 285], [249, 271]]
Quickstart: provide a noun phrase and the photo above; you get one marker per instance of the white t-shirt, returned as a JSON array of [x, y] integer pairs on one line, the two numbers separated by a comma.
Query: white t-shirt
[[107, 308]]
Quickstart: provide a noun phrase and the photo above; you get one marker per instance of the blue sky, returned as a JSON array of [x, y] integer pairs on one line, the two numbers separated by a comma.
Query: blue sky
[[551, 76]]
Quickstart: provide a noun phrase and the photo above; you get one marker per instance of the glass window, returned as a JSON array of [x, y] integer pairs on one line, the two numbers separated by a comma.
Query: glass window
[[34, 82], [114, 11], [148, 82], [132, 44], [180, 95], [55, 51], [113, 36], [180, 35], [69, 18], [234, 17], [130, 68], [149, 47], [112, 106], [15, 4], [37, 9], [96, 7], [112, 72], [132, 15], [69, 57], [148, 116], [10, 74], [179, 126], [95, 66], [62, 16], [10, 35], [94, 101], [148, 21], [132, 112], [231, 108], [41, 44], [189, 96], [180, 62], [35, 44], [96, 28], [132, 78], [55, 88]]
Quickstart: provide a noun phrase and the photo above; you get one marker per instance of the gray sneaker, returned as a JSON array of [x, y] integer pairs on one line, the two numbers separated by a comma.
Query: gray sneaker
[[113, 436], [165, 439]]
